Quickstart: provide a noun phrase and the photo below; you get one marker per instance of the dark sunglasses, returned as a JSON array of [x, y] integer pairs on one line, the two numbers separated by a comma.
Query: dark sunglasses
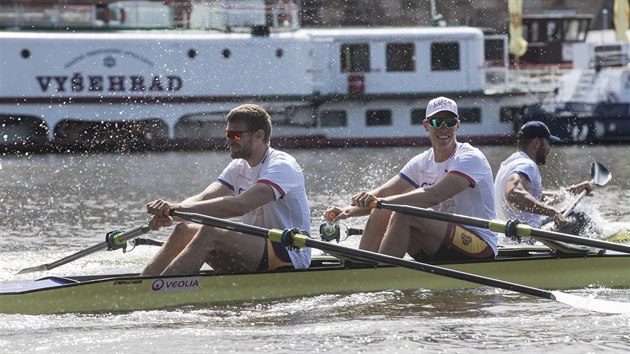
[[437, 122], [236, 134]]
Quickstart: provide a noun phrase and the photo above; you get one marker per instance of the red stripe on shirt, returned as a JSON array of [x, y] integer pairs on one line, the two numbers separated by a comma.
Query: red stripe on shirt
[[273, 185], [471, 181]]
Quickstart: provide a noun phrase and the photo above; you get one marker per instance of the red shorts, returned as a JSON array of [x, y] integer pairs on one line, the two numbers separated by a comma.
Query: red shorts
[[459, 244]]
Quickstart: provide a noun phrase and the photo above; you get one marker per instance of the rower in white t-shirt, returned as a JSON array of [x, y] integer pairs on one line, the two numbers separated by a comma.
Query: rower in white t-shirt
[[263, 186], [450, 177]]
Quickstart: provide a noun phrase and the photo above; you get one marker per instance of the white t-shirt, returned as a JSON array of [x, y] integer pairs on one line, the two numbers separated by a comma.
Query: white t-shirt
[[476, 201], [290, 209], [519, 162]]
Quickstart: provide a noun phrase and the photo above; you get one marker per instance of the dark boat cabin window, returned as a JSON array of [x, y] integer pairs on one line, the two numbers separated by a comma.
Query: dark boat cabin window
[[378, 117], [445, 56], [493, 50], [531, 31], [470, 115], [553, 32], [574, 30], [355, 57], [333, 119], [510, 114], [417, 116], [401, 57]]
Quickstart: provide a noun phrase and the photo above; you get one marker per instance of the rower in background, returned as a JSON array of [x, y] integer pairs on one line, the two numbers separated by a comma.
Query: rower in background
[[518, 190]]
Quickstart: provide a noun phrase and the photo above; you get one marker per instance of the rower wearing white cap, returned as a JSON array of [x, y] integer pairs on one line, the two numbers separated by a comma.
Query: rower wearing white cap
[[450, 177]]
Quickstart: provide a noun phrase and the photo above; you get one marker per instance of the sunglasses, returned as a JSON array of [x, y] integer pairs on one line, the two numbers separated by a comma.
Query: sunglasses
[[437, 122], [236, 134]]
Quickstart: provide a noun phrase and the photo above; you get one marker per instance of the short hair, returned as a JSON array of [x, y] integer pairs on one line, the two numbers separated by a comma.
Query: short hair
[[522, 142], [254, 116]]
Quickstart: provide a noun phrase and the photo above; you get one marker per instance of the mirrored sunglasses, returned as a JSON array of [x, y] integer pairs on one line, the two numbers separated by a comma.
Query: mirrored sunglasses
[[437, 122], [235, 134]]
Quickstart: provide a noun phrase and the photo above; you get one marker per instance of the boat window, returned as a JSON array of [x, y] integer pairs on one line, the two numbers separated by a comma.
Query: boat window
[[494, 50], [470, 115], [378, 117], [533, 32], [510, 114], [445, 56], [553, 32], [401, 57], [355, 57], [571, 30], [333, 119], [417, 116], [583, 29]]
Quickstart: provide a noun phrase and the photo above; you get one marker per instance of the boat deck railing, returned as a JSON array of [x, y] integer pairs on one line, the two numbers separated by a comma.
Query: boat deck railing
[[282, 16], [20, 16], [543, 78]]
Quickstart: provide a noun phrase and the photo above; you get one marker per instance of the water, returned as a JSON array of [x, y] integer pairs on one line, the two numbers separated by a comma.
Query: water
[[55, 205]]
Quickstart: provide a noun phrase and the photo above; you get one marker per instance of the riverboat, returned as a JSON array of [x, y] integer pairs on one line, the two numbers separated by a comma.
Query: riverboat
[[529, 265], [117, 88]]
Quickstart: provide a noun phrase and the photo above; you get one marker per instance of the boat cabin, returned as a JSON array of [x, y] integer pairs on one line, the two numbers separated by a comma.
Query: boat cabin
[[550, 37]]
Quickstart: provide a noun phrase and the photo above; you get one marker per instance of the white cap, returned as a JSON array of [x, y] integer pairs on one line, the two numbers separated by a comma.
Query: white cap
[[441, 104]]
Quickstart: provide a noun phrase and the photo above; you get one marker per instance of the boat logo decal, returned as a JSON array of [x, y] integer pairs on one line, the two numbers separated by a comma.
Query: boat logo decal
[[175, 284], [79, 81], [128, 282], [109, 83], [107, 60]]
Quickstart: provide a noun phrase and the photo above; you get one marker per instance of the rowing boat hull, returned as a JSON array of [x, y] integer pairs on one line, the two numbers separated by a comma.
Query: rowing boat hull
[[130, 292]]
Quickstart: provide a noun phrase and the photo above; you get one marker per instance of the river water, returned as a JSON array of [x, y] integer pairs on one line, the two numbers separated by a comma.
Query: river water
[[55, 205]]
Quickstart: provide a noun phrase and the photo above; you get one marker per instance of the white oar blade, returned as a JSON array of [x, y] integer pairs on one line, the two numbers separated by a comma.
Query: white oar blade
[[39, 268], [592, 304]]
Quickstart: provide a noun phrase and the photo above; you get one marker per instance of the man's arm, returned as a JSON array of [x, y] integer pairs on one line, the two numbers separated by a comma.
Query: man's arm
[[216, 200], [231, 206], [395, 185], [517, 195], [445, 188], [214, 190]]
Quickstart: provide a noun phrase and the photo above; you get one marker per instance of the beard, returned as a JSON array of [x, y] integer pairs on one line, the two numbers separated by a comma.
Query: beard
[[243, 153], [541, 156]]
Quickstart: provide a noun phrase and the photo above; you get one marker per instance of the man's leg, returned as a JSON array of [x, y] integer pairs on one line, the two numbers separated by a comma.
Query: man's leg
[[374, 230], [412, 234], [225, 251], [181, 236]]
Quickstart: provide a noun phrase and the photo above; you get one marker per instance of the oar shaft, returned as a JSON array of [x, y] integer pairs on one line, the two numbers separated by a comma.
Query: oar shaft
[[436, 215], [557, 236], [577, 200], [127, 235], [428, 268], [499, 226], [220, 223]]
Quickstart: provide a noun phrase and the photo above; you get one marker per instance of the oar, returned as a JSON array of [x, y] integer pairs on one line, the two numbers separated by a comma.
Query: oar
[[600, 176], [519, 230], [118, 239], [289, 237]]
